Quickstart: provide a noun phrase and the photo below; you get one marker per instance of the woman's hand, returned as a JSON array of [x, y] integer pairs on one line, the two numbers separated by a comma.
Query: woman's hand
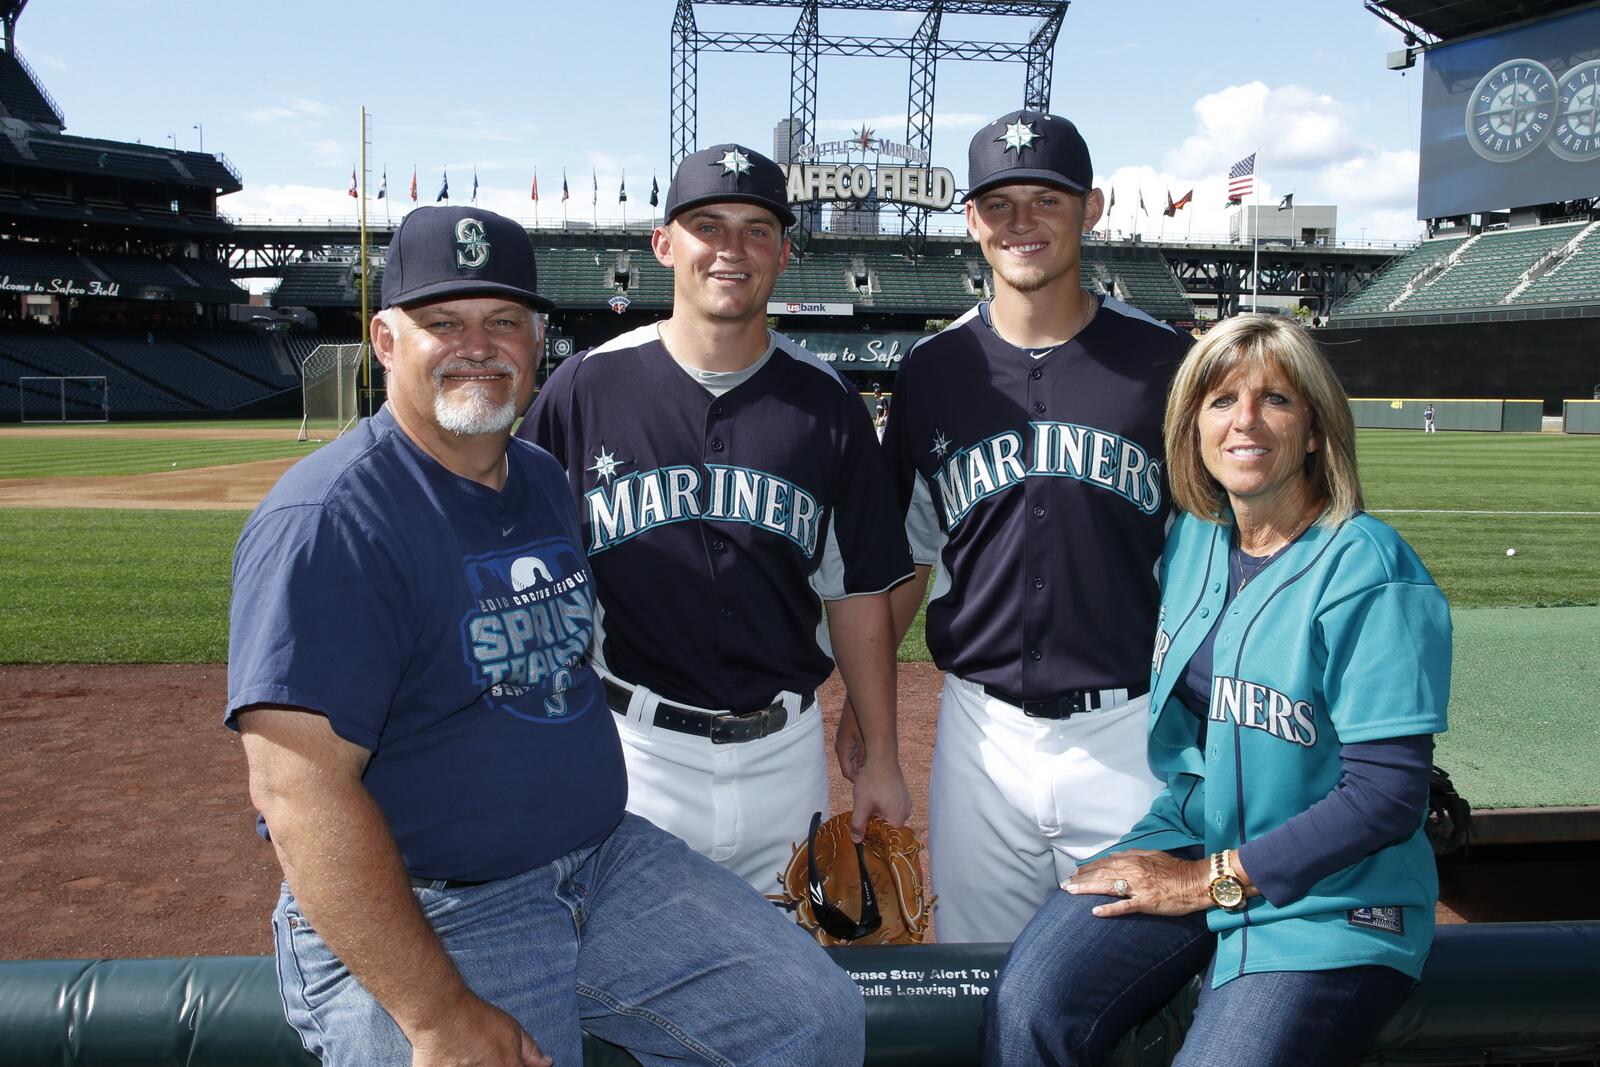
[[1157, 883]]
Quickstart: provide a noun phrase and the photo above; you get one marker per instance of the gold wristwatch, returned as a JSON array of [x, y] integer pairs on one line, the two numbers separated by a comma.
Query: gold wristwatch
[[1227, 892]]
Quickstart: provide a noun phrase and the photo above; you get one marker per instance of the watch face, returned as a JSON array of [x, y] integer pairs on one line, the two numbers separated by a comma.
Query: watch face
[[1576, 136], [1227, 892], [1511, 111]]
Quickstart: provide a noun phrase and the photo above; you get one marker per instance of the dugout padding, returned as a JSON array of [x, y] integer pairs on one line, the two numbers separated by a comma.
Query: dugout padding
[[1550, 359], [1493, 992]]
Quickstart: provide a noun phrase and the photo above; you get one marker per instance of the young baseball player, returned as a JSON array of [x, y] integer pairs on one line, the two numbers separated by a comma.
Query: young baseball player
[[730, 486], [1026, 442]]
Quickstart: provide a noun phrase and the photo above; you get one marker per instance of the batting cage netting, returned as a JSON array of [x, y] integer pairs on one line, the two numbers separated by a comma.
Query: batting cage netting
[[328, 391]]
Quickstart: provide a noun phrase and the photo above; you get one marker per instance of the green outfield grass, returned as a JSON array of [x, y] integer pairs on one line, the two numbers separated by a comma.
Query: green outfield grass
[[291, 425], [73, 457], [152, 586]]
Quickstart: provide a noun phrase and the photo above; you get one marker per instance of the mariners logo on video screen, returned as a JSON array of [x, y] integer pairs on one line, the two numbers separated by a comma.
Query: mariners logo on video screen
[[528, 631]]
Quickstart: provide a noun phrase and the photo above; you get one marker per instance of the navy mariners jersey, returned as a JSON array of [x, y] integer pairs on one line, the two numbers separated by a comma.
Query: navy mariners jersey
[[1037, 489], [714, 524], [1345, 638], [444, 627]]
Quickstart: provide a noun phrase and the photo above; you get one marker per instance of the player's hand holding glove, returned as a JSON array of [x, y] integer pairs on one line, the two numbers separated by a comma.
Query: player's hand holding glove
[[868, 894]]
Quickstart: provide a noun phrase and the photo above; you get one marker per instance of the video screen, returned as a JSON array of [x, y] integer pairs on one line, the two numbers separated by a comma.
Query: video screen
[[1512, 119]]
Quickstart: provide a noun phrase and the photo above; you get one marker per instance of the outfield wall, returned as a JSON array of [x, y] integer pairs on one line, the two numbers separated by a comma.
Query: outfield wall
[[1581, 416], [1550, 359], [1406, 413]]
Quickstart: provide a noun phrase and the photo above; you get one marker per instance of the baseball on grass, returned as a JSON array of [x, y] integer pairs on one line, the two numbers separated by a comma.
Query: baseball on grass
[[1511, 552]]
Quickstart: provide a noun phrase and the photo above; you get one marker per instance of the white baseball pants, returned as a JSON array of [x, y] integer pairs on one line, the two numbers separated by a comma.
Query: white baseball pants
[[744, 806], [1015, 804]]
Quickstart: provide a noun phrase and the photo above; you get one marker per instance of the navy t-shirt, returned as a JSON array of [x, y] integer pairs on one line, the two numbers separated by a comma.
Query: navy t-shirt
[[444, 627]]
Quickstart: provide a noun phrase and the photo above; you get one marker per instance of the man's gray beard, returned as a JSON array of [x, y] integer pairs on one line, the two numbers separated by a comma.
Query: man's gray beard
[[467, 411]]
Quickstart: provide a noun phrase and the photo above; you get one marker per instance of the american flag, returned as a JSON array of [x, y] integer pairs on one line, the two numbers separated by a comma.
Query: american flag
[[1241, 177]]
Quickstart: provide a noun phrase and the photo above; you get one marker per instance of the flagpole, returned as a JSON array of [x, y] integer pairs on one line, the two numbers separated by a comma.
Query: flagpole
[[1255, 234], [366, 302]]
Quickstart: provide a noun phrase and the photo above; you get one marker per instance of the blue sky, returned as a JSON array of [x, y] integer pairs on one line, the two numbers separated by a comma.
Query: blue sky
[[1167, 94]]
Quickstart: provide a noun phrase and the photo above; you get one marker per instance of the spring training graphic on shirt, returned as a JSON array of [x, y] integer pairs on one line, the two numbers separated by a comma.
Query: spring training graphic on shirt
[[529, 628], [1058, 450]]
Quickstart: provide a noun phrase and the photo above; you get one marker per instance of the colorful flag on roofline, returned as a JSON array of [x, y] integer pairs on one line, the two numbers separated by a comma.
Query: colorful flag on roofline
[[565, 196], [1182, 201], [655, 192], [474, 185], [1241, 178], [533, 194], [444, 189], [352, 189], [1287, 203], [383, 187], [413, 184]]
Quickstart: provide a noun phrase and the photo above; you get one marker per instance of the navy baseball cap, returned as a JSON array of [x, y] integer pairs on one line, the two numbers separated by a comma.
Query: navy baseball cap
[[1028, 147], [727, 172], [440, 253]]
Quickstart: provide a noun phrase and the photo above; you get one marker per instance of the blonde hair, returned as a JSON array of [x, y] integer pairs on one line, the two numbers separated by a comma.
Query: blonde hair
[[1262, 341]]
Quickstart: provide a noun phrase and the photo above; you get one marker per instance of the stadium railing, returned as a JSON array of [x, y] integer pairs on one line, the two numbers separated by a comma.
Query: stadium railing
[[1493, 992]]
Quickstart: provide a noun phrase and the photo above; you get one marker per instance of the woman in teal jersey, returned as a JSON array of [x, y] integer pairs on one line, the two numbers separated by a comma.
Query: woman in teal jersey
[[1301, 669]]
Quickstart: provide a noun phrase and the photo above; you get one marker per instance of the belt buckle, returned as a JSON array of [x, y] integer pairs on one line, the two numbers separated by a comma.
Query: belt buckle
[[748, 726], [1061, 707]]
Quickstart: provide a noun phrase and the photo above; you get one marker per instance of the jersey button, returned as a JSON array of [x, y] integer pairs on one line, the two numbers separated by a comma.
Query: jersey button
[[1038, 583], [727, 613], [1038, 406], [1035, 655], [1216, 587], [716, 409], [1036, 374], [717, 545], [1205, 613], [1038, 511], [716, 444]]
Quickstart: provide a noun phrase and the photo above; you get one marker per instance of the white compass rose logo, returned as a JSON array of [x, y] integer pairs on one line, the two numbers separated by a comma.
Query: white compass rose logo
[[941, 444], [1577, 134], [605, 465], [1018, 135], [1510, 112], [734, 161]]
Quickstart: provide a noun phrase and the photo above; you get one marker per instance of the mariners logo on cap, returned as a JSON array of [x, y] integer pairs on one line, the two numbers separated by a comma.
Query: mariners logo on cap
[[1018, 135], [733, 162], [472, 244]]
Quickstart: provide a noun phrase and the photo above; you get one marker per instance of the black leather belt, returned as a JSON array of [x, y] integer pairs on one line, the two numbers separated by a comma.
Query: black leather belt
[[445, 884], [1065, 705], [726, 729]]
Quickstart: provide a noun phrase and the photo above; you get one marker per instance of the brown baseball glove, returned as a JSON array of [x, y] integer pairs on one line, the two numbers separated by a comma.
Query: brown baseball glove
[[866, 894]]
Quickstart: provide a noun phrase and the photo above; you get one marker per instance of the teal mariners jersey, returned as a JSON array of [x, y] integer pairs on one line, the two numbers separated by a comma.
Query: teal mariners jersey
[[1344, 638]]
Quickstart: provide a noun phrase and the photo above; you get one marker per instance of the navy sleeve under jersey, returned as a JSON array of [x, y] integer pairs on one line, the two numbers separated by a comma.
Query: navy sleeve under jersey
[[1037, 489], [716, 526]]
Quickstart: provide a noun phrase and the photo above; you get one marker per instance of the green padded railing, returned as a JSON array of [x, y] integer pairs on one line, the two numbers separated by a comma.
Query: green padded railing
[[1494, 992]]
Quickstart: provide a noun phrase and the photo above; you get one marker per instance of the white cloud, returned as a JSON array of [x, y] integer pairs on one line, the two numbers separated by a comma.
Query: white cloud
[[1292, 126], [1382, 179], [289, 109]]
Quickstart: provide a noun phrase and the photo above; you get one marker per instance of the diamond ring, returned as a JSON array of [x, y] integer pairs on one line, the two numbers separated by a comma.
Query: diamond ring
[[1121, 888]]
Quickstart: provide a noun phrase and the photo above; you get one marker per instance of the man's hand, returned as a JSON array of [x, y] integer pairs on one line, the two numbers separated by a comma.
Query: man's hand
[[881, 790], [474, 1033], [848, 744]]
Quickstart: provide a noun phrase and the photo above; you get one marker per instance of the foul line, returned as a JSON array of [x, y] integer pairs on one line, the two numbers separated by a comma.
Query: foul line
[[1451, 511]]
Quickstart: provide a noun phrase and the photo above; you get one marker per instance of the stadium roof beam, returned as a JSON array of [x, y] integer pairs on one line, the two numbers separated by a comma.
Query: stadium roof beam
[[805, 44], [1436, 21], [919, 113]]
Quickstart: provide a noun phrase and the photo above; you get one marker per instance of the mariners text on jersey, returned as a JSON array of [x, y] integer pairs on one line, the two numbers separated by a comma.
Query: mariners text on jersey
[[1053, 450], [635, 503]]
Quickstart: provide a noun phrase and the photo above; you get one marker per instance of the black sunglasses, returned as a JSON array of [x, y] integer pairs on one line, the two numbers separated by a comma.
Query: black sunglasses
[[829, 916]]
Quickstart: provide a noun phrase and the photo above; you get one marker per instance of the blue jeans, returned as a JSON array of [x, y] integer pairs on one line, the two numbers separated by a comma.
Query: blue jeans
[[1074, 983], [638, 940]]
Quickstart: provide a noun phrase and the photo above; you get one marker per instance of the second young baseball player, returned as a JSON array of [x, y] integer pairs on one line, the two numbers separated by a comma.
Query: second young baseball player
[[730, 486], [1026, 441]]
